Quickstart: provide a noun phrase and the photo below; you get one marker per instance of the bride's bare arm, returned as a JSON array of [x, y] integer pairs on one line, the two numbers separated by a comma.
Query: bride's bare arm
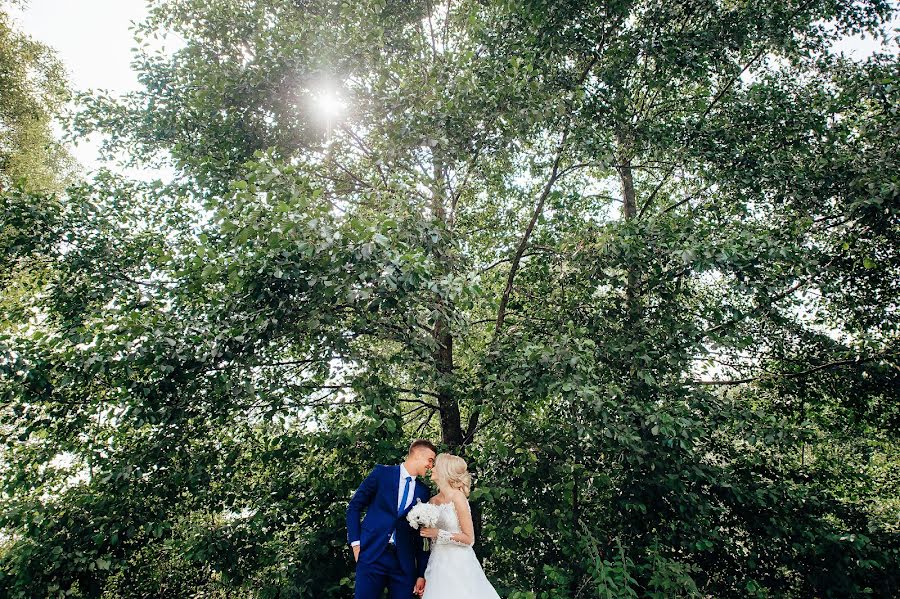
[[467, 534]]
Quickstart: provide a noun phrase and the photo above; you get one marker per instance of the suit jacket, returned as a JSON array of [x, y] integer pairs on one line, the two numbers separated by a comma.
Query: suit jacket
[[377, 495]]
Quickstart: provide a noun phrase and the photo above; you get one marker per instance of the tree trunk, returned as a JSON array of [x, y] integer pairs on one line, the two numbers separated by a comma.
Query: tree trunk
[[629, 213], [576, 530], [629, 208], [451, 425]]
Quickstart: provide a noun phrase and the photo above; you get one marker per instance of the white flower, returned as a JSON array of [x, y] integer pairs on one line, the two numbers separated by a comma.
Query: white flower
[[423, 514]]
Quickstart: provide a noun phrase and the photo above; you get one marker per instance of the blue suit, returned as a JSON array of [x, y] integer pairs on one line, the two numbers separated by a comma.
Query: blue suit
[[379, 565]]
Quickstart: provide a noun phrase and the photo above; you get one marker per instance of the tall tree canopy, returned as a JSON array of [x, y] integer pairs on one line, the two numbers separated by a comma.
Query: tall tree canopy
[[636, 261], [34, 90]]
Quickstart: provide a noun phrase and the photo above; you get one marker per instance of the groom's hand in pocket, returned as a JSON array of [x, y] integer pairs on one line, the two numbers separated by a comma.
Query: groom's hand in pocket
[[419, 589]]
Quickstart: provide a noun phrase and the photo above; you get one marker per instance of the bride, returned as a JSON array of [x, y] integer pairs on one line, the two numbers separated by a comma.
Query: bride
[[453, 571]]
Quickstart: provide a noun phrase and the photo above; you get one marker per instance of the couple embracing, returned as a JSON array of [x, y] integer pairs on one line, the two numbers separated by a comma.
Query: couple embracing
[[391, 554]]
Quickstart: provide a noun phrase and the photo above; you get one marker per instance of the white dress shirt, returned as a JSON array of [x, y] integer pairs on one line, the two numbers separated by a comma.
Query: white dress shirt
[[409, 498]]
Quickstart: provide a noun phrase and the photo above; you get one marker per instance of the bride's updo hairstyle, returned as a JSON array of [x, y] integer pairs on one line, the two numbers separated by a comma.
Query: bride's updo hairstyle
[[452, 470]]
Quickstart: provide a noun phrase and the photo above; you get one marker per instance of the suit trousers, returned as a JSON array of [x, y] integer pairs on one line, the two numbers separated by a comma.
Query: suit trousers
[[384, 573]]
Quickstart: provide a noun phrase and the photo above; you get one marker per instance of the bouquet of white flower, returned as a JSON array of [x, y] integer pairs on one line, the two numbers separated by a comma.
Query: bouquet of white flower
[[424, 515]]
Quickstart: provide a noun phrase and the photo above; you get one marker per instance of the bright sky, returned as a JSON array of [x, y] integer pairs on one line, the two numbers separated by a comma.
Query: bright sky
[[93, 39]]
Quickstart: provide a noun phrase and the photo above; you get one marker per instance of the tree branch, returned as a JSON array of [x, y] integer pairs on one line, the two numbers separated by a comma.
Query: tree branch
[[721, 93], [790, 375], [523, 243]]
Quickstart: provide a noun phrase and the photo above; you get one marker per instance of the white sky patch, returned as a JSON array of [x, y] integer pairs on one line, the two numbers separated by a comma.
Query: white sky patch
[[91, 37], [862, 46], [94, 40]]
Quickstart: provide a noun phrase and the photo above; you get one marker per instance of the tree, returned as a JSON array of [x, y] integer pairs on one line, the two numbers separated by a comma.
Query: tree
[[639, 258], [33, 164], [34, 91]]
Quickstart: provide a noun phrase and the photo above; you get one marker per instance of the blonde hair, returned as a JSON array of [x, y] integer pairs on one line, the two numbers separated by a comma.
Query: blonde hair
[[452, 470]]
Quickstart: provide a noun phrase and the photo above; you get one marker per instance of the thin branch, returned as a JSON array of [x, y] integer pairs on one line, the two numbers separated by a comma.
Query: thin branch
[[269, 364], [679, 203], [575, 167], [425, 423], [523, 243], [431, 33], [538, 210], [501, 261], [353, 175], [737, 319], [420, 402], [721, 93], [474, 427], [414, 410], [790, 375]]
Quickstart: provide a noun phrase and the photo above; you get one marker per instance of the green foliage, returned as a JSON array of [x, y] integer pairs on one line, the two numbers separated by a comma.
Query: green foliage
[[34, 92], [639, 259]]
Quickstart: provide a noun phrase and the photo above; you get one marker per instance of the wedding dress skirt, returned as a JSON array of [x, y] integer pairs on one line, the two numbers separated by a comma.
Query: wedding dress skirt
[[453, 570]]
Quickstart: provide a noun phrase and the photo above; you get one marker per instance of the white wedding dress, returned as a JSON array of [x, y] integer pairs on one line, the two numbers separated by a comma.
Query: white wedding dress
[[453, 571]]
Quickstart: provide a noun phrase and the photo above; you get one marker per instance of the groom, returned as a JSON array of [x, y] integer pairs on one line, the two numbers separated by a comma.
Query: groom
[[388, 552]]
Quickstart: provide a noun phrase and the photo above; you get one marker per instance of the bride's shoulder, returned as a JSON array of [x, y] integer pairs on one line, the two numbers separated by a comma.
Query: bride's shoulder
[[458, 497]]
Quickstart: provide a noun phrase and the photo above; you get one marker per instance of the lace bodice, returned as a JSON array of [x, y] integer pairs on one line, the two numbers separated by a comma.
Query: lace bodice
[[448, 520], [448, 525]]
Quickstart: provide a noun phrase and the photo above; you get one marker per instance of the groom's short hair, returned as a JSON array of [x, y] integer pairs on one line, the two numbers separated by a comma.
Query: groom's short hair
[[421, 443]]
